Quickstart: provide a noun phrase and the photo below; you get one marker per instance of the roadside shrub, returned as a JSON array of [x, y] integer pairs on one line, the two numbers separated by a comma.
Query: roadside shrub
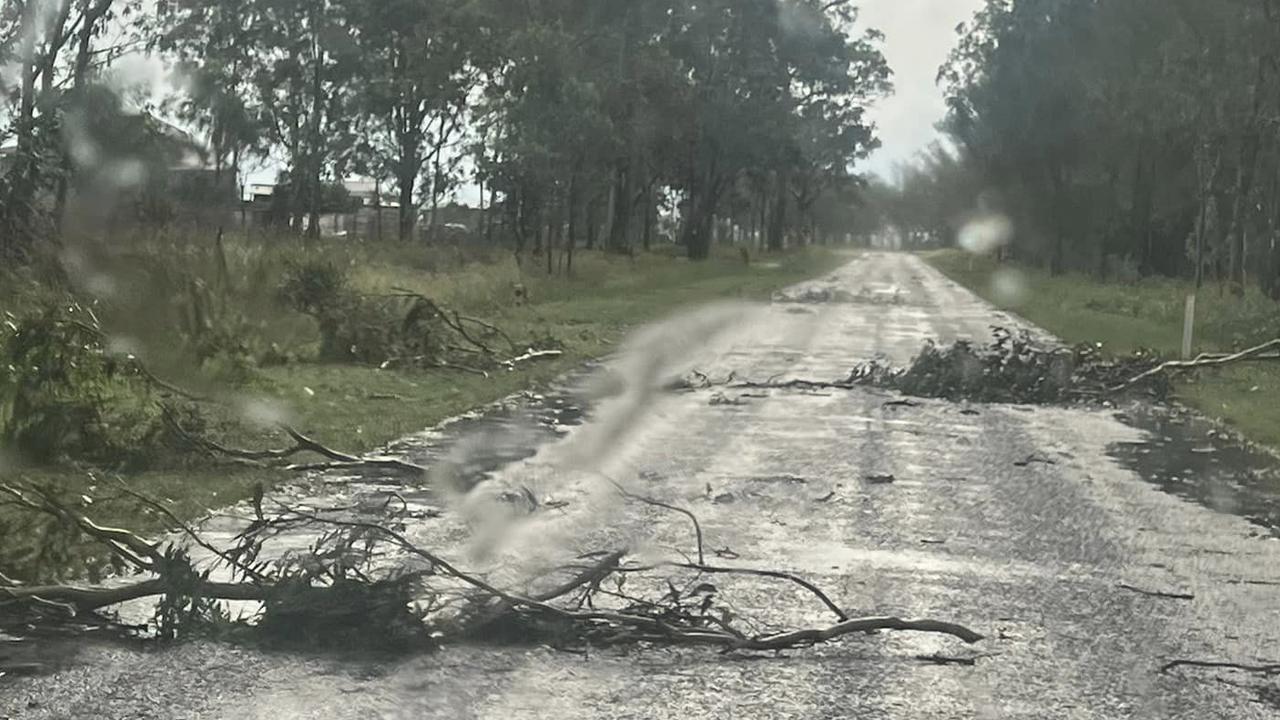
[[56, 381], [371, 329], [65, 396]]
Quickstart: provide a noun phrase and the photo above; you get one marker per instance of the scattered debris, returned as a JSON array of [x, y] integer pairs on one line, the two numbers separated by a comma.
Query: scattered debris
[[1153, 593], [815, 296], [345, 591], [721, 399], [939, 659], [901, 403], [1268, 583], [832, 294], [1034, 460], [1013, 369], [782, 479], [1263, 668]]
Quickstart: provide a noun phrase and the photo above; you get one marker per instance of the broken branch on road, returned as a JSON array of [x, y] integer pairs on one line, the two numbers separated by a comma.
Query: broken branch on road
[[1263, 668], [1013, 368], [1156, 593], [1266, 351], [365, 581]]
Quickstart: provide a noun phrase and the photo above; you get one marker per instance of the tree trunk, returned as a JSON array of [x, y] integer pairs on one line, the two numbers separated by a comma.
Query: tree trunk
[[22, 191], [593, 222], [699, 226], [407, 181], [621, 211], [778, 221], [650, 211], [571, 240]]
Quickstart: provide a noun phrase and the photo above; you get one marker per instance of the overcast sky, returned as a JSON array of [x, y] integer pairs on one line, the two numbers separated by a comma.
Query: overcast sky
[[919, 35]]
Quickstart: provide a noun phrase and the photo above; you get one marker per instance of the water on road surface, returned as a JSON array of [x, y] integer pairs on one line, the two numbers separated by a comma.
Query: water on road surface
[[1014, 521]]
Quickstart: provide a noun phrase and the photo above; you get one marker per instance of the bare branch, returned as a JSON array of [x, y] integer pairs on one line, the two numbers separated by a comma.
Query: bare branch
[[1258, 352]]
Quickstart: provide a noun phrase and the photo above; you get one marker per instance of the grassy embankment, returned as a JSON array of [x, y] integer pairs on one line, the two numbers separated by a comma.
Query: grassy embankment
[[1148, 314], [359, 408]]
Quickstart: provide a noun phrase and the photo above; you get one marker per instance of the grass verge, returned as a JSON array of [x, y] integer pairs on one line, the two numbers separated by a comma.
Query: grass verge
[[1145, 314], [360, 408]]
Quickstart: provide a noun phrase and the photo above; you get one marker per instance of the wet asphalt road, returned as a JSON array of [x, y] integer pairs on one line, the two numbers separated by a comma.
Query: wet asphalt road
[[1017, 522]]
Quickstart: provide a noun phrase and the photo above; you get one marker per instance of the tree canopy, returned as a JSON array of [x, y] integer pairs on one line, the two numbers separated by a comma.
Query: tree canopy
[[581, 119], [1144, 132]]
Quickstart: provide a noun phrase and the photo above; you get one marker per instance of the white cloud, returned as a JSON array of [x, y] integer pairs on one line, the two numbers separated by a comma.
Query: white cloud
[[919, 34]]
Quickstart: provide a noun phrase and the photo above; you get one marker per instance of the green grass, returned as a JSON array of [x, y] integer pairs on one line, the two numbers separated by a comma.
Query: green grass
[[357, 409], [362, 408], [1147, 314]]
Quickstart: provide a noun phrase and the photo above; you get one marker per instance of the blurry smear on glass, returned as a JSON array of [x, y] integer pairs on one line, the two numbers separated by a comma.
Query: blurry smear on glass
[[124, 346], [263, 413], [986, 234], [1009, 287], [126, 174], [100, 286]]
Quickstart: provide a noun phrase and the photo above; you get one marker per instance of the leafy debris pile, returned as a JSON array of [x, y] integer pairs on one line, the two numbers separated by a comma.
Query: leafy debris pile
[[831, 294], [363, 584], [1014, 368]]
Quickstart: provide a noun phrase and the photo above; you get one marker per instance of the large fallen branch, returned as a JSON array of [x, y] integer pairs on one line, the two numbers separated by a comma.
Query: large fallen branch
[[1013, 368], [1253, 354], [89, 599], [347, 577], [301, 444]]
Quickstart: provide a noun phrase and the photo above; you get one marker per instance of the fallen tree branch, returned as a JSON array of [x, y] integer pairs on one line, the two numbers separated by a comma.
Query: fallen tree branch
[[85, 599], [348, 579], [1156, 593], [139, 553], [591, 576], [803, 638], [137, 365], [530, 356], [775, 574], [1206, 361], [301, 444], [457, 321], [940, 659], [190, 532], [697, 526], [1265, 668]]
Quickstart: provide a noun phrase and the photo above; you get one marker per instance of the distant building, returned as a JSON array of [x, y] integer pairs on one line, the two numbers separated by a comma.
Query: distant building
[[7, 151], [370, 193]]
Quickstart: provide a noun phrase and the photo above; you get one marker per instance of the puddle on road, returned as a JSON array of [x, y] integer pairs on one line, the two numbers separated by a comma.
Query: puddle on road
[[479, 443], [1189, 457]]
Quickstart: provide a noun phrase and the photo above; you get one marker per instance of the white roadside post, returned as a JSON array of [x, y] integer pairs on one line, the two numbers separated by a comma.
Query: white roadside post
[[1189, 327]]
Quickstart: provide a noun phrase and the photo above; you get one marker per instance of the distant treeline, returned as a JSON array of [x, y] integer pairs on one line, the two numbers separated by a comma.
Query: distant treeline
[[1134, 135], [581, 120]]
